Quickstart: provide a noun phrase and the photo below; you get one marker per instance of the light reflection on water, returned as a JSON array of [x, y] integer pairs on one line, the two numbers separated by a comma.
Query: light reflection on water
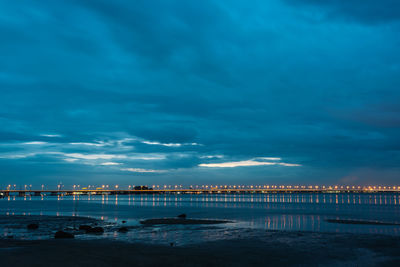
[[305, 212], [372, 199]]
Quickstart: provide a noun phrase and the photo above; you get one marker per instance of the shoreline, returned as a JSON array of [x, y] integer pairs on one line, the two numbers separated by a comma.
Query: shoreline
[[276, 248], [247, 247]]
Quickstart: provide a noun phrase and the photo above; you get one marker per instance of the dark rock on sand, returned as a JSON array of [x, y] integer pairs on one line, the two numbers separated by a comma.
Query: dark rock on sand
[[95, 230], [62, 234], [180, 221], [84, 227], [182, 216], [32, 226], [123, 229]]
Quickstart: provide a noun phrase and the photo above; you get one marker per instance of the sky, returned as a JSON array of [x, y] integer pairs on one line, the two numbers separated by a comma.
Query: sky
[[200, 92]]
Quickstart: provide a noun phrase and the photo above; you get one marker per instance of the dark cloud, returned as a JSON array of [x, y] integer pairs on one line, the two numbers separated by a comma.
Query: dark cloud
[[366, 11], [89, 88]]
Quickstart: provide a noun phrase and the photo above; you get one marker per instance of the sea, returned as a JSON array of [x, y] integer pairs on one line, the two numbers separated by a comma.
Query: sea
[[246, 213]]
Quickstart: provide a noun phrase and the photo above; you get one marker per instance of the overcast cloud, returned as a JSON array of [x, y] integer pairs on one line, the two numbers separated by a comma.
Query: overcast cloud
[[193, 92]]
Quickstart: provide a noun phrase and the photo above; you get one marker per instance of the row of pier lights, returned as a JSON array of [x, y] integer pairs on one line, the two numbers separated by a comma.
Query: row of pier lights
[[77, 187]]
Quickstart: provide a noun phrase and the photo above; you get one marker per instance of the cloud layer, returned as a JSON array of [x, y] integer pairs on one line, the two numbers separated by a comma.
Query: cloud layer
[[291, 91]]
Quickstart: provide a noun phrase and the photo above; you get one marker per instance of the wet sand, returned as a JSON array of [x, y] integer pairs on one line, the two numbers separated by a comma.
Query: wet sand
[[250, 248], [273, 249]]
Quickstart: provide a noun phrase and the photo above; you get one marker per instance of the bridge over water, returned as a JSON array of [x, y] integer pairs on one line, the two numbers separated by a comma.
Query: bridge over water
[[223, 190]]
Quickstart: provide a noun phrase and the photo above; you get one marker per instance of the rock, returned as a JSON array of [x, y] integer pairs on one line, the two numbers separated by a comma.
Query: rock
[[123, 221], [32, 226], [84, 227], [62, 234], [123, 230], [182, 216], [171, 244], [95, 230]]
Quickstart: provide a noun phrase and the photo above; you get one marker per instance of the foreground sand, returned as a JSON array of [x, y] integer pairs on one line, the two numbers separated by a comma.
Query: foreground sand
[[241, 247], [271, 249]]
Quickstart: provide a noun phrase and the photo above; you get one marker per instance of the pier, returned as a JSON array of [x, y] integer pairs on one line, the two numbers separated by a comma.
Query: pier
[[201, 190]]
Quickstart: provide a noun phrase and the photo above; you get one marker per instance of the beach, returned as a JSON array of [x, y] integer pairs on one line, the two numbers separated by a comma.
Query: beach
[[274, 249], [247, 247]]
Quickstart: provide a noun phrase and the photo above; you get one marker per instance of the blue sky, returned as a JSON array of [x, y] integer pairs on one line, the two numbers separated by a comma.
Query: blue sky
[[196, 92]]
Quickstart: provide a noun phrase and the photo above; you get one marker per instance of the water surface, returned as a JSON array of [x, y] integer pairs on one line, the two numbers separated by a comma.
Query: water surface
[[290, 212]]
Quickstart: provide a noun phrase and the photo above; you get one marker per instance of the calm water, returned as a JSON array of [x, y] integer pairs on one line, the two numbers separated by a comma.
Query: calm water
[[305, 212]]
